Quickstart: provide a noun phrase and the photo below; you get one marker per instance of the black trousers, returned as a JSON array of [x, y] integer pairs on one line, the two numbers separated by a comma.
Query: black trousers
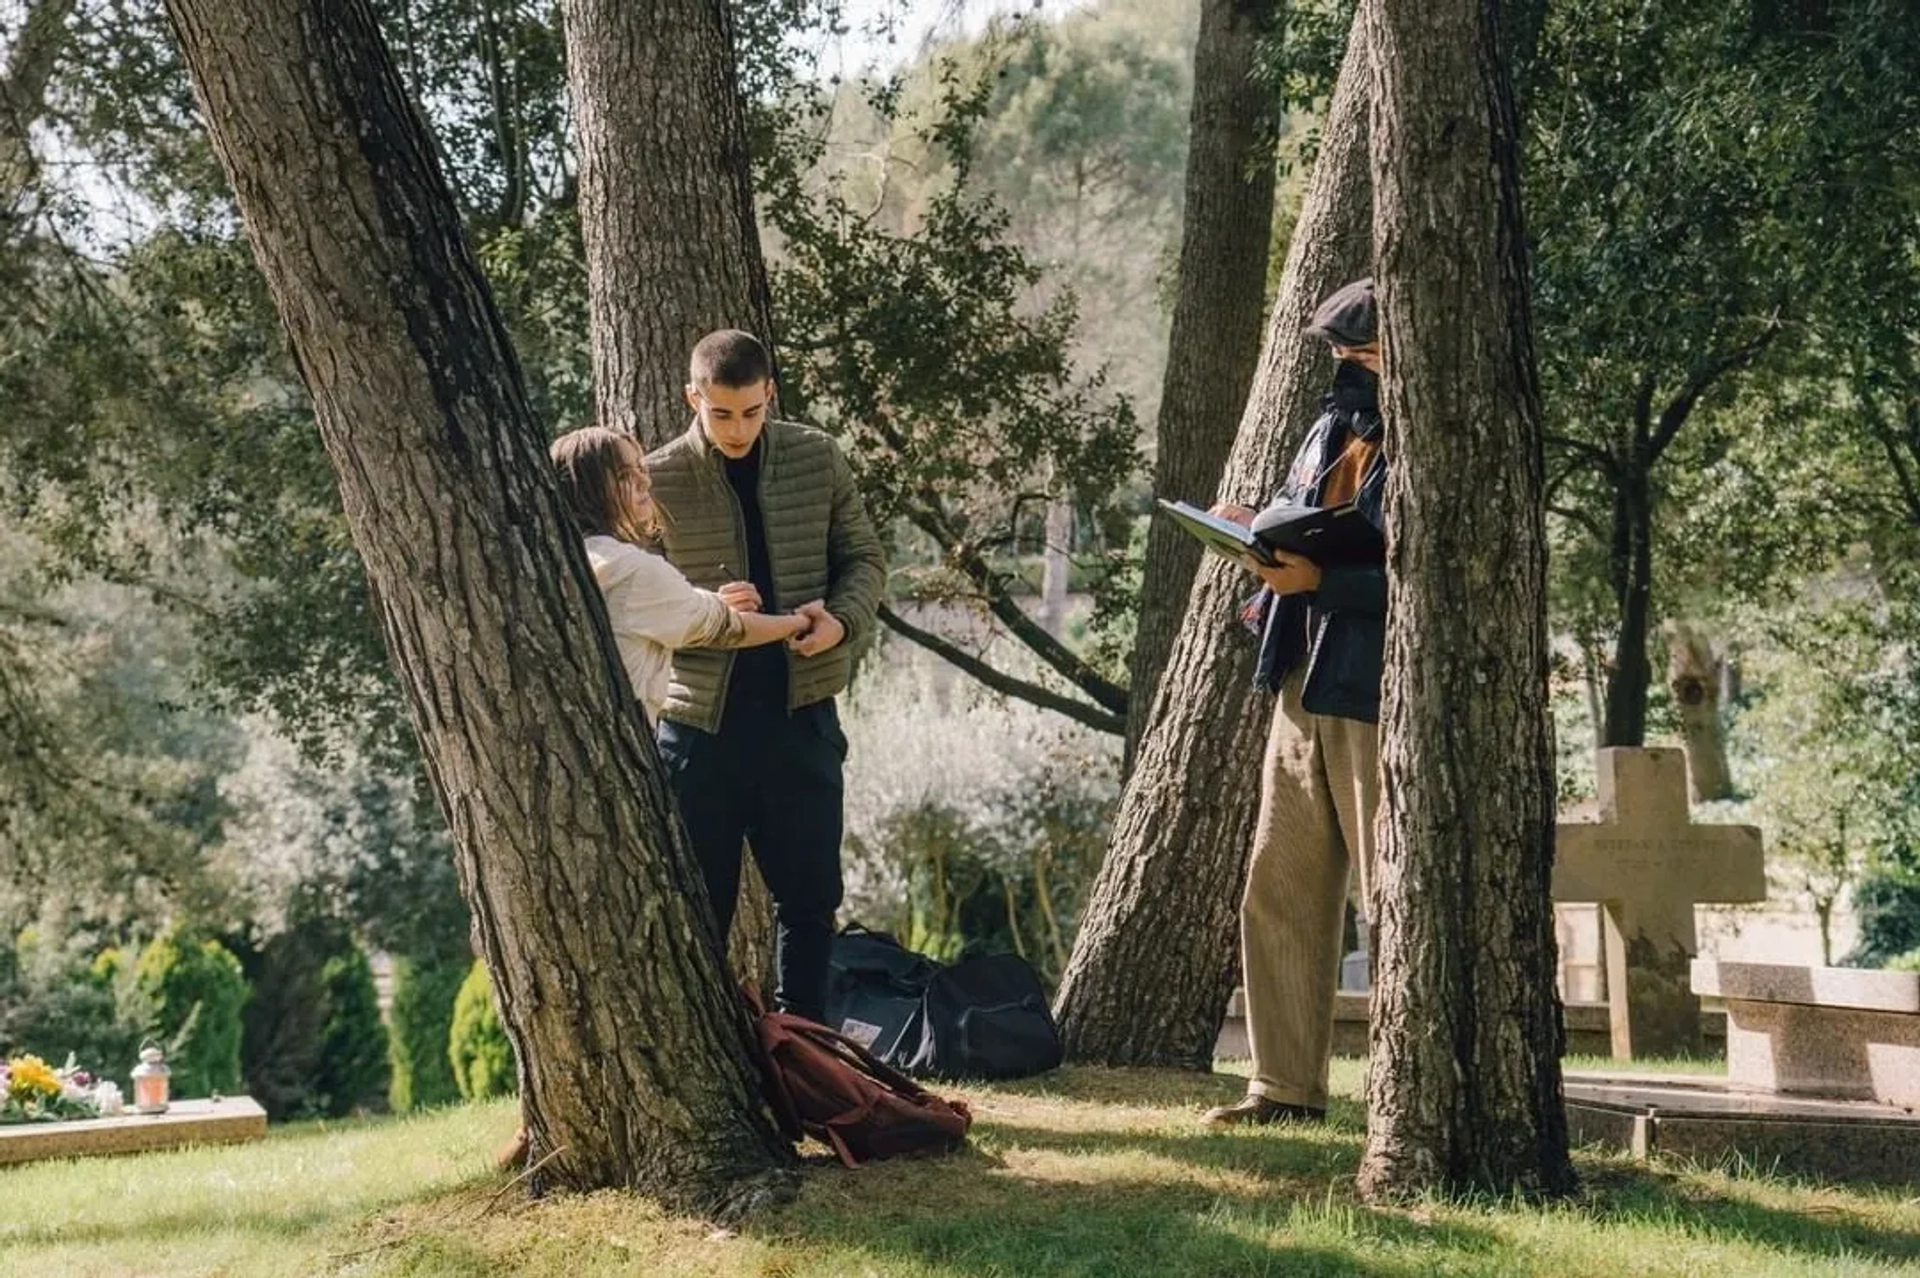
[[775, 780]]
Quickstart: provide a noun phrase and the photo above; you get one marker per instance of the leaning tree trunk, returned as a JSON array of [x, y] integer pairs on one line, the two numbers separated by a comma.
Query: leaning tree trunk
[[1694, 678], [635, 1057], [666, 199], [1158, 947], [1214, 345], [1463, 1088]]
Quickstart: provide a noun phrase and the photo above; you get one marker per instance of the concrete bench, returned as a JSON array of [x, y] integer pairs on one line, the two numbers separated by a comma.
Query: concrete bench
[[1838, 1032]]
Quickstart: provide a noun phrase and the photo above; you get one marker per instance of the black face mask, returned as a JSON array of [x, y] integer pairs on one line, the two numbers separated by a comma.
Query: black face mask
[[1355, 388]]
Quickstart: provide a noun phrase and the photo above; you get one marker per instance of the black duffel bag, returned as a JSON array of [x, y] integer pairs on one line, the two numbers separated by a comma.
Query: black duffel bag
[[982, 1017], [986, 1017], [874, 989]]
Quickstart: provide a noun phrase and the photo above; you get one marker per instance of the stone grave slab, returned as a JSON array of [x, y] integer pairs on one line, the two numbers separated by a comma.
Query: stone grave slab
[[1827, 1031], [1702, 1119], [1589, 1028], [229, 1120], [1648, 865]]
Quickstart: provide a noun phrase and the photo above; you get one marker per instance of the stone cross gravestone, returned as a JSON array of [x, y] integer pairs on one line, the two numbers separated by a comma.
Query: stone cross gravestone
[[1648, 865]]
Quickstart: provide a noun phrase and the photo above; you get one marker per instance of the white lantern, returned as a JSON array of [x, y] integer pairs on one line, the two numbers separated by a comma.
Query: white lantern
[[150, 1081]]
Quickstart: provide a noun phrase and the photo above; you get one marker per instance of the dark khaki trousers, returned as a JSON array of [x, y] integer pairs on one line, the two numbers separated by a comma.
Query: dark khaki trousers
[[1319, 790]]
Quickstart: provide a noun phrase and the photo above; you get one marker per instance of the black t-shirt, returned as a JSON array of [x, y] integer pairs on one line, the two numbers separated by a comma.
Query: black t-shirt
[[759, 674]]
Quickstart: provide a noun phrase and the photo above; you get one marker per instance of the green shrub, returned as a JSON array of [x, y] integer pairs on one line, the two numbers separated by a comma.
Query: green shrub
[[1887, 902], [285, 1019], [422, 1023], [194, 993], [477, 1047], [53, 1003], [353, 1048], [1908, 962], [313, 1042]]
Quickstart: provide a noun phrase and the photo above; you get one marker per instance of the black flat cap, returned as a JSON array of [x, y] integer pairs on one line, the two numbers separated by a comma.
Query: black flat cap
[[1348, 318]]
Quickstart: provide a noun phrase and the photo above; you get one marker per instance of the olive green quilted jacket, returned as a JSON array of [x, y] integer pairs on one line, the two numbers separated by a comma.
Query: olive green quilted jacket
[[820, 542]]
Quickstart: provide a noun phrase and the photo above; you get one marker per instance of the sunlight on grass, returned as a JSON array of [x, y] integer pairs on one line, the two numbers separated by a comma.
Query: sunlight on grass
[[1089, 1173]]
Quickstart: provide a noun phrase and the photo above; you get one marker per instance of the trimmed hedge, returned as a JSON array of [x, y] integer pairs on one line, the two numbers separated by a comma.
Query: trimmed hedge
[[313, 1043], [353, 1071], [194, 994], [421, 1020], [477, 1047]]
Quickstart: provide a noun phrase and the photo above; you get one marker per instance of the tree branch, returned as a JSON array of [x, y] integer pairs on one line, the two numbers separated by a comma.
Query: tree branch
[[992, 585], [1592, 454], [1001, 682], [1581, 518], [924, 511], [1675, 415]]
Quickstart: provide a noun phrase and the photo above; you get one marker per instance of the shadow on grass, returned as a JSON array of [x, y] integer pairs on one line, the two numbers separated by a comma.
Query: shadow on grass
[[1029, 1197], [1630, 1196]]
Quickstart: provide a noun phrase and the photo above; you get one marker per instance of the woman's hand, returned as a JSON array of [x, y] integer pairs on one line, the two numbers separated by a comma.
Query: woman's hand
[[1288, 574], [741, 596]]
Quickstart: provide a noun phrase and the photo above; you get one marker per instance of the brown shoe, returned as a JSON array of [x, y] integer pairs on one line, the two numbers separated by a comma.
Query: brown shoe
[[1258, 1111], [510, 1156]]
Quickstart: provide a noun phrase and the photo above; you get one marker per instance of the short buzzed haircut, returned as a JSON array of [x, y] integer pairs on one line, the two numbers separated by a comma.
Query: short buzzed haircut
[[730, 358]]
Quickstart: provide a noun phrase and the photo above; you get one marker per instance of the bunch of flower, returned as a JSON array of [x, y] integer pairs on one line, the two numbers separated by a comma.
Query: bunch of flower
[[31, 1091]]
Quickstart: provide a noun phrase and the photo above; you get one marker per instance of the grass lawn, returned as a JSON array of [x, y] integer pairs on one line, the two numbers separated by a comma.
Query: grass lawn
[[1090, 1172]]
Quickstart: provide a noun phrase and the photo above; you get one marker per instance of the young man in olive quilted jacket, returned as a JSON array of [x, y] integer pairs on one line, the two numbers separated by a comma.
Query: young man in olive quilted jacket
[[751, 737]]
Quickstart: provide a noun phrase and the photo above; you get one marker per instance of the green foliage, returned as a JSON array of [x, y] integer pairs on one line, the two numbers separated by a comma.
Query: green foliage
[[424, 992], [915, 326], [197, 992], [110, 786], [1908, 962], [1000, 846], [55, 1003], [1713, 198], [1888, 906], [477, 1047], [313, 1043], [353, 1050]]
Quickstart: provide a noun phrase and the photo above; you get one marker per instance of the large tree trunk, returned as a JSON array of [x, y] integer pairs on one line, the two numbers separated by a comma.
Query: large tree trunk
[[1158, 947], [666, 199], [1632, 570], [635, 1058], [1694, 676], [1463, 1088], [1214, 346]]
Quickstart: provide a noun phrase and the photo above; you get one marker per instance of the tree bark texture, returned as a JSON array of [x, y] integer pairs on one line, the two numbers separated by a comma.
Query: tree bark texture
[[1157, 953], [1214, 345], [750, 943], [635, 1057], [666, 199], [1463, 1088], [1694, 678]]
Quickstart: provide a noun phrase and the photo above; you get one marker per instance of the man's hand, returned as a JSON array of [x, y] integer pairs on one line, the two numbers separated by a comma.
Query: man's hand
[[827, 630], [1289, 574], [741, 596], [1242, 515]]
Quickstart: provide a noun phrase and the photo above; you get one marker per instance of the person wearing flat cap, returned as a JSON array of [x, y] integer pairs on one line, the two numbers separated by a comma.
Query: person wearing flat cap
[[1322, 636]]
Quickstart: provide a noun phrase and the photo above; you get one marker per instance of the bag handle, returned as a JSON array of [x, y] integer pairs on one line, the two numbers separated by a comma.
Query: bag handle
[[834, 1041]]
